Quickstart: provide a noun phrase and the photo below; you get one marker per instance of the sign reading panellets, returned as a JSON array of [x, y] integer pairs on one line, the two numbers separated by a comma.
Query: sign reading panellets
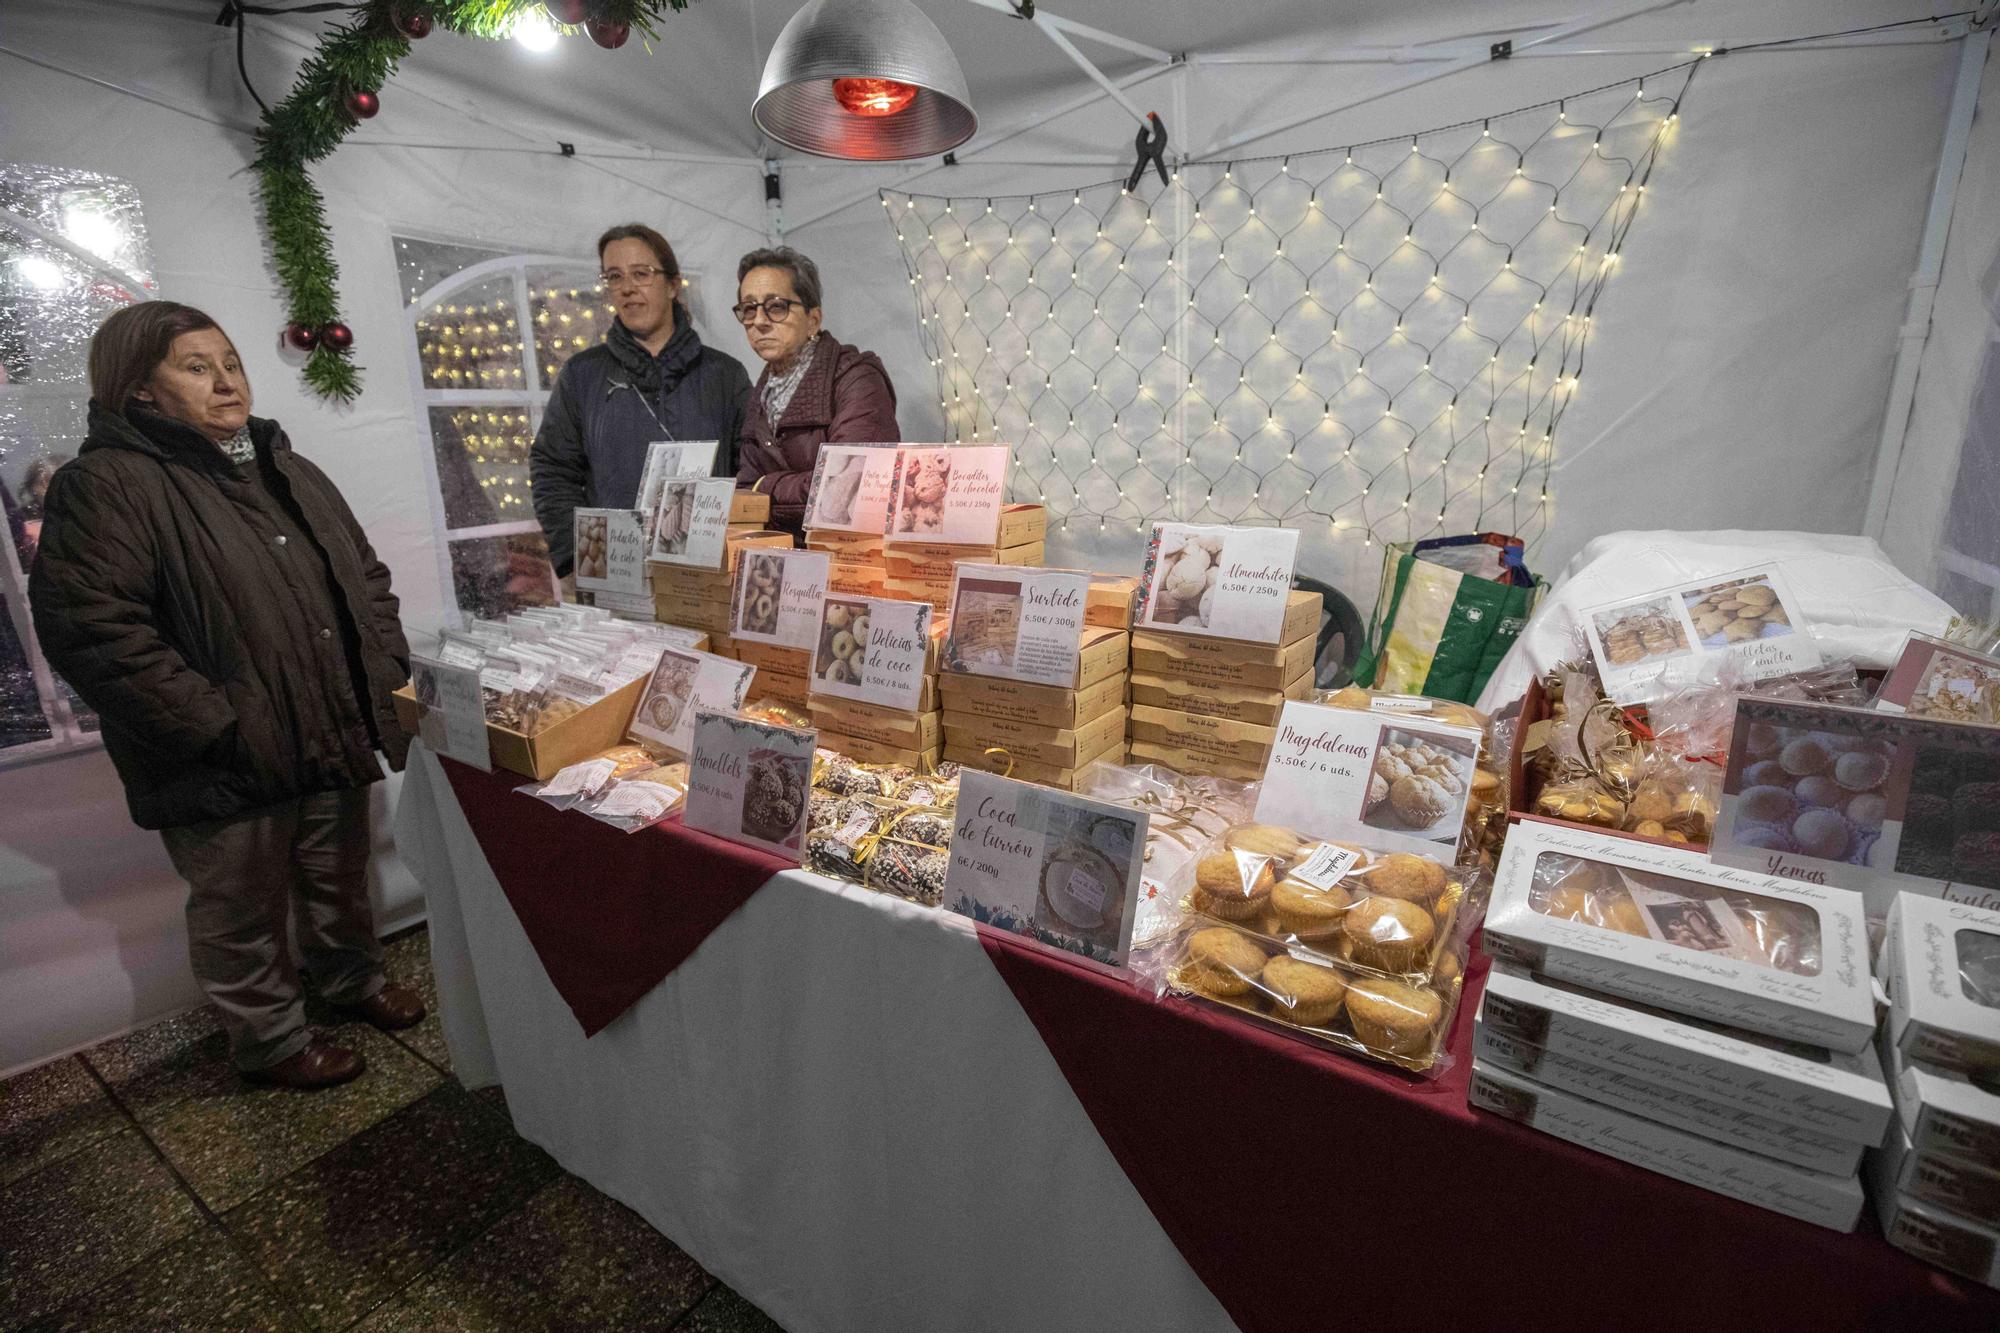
[[451, 711], [1232, 583], [1394, 783], [778, 596], [951, 495], [1060, 869], [683, 681], [750, 781], [850, 488], [873, 650], [1649, 645], [1024, 624], [610, 550], [692, 525]]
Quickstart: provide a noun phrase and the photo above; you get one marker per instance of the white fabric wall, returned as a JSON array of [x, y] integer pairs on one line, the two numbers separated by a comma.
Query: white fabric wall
[[91, 938]]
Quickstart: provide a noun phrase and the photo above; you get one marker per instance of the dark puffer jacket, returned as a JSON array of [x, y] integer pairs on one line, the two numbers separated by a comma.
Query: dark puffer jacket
[[163, 593], [609, 403], [845, 398]]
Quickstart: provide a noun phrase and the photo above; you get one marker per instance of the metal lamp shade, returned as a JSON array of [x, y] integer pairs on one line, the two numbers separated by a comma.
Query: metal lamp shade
[[872, 39]]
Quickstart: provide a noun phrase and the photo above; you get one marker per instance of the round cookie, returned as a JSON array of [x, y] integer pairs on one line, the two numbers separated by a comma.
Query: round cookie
[[1221, 961], [1307, 913], [1388, 933], [1804, 757], [1232, 885], [1822, 833], [1392, 1017], [1301, 992], [1821, 790], [1860, 770], [1406, 875]]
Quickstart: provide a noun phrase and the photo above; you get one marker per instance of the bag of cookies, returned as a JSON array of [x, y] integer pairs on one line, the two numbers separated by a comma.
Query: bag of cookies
[[912, 855]]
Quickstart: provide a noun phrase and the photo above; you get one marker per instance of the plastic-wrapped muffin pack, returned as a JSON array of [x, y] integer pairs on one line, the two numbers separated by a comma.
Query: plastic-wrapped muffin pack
[[1330, 941]]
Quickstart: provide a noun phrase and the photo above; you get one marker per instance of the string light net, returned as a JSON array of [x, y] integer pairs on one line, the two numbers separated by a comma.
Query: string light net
[[1372, 343]]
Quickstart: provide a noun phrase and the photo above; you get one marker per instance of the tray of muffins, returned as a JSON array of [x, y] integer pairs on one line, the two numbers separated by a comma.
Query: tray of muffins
[[1330, 941]]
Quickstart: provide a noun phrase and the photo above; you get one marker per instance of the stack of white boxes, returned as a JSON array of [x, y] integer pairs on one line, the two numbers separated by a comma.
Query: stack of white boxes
[[1748, 1080], [1937, 1177]]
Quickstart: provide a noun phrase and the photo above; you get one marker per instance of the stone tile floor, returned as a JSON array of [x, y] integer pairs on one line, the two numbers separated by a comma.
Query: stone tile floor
[[144, 1186]]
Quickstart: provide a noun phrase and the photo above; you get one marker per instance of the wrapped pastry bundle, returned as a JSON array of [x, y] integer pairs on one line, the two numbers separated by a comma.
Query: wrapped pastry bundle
[[843, 828], [911, 855], [1602, 765], [882, 825]]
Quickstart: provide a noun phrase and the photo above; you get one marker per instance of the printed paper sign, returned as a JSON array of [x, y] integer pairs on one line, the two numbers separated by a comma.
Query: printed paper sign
[[850, 488], [954, 495], [693, 522], [1059, 869], [625, 605], [1865, 800], [1933, 678], [611, 551], [750, 781], [1024, 624], [1232, 583], [451, 711], [1397, 784], [683, 681], [778, 596], [873, 650], [1649, 645], [666, 460]]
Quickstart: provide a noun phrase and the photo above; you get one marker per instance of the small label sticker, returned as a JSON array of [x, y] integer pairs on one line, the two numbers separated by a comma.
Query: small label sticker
[[855, 829], [1399, 703], [1085, 889], [1326, 867], [584, 779]]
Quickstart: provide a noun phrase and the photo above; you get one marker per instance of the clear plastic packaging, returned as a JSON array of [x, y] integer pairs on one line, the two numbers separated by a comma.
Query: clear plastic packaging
[[1184, 815], [1486, 809]]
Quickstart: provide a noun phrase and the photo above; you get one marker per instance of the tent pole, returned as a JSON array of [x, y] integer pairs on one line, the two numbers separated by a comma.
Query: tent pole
[[1555, 34], [1924, 282], [1083, 30], [1083, 62]]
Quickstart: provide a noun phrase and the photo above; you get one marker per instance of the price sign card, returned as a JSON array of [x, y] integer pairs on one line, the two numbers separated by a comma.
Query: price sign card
[[946, 494], [1859, 799], [692, 523], [1059, 869], [1232, 583], [1933, 678], [666, 460], [1650, 645], [451, 711], [750, 781], [778, 596], [1392, 783], [850, 488], [873, 650], [611, 551], [682, 681], [1021, 623]]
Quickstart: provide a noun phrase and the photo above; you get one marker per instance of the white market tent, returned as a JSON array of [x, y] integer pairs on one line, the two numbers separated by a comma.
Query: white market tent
[[1795, 337]]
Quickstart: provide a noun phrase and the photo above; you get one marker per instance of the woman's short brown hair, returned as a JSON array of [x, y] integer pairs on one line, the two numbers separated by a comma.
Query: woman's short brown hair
[[639, 231], [131, 343], [804, 273]]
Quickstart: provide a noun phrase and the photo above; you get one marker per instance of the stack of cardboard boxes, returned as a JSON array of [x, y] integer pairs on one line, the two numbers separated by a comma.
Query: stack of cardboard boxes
[[1042, 733], [877, 735], [697, 598], [1206, 705], [923, 571], [857, 568], [1937, 1179]]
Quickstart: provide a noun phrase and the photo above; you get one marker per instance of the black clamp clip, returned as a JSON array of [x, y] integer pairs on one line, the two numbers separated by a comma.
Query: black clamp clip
[[1152, 146]]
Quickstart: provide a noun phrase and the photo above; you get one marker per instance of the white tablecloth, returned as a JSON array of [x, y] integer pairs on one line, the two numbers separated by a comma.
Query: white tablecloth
[[835, 1105]]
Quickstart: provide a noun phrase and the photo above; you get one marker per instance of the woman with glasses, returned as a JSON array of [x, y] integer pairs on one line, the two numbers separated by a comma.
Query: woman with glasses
[[814, 390], [650, 379]]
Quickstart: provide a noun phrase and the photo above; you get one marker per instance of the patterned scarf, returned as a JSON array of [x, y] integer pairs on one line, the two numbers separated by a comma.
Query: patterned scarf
[[778, 390], [242, 450]]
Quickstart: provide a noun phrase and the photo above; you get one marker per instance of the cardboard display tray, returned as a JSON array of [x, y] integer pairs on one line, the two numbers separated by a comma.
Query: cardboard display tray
[[596, 728]]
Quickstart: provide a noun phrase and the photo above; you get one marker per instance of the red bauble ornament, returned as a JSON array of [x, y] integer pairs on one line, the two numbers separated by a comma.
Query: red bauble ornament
[[413, 26], [607, 34], [362, 104], [565, 11], [873, 97], [302, 336], [337, 336]]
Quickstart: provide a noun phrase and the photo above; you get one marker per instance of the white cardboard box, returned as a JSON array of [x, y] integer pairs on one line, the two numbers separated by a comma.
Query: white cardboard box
[[1830, 1094], [1941, 967], [1834, 1007], [1673, 1107], [1937, 1237], [1824, 1200], [1962, 1188], [1944, 1112]]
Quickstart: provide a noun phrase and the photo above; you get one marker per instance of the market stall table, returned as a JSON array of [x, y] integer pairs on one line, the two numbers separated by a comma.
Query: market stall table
[[865, 1115]]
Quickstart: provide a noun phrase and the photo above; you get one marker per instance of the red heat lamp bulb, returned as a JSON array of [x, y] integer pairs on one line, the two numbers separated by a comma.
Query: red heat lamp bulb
[[873, 97]]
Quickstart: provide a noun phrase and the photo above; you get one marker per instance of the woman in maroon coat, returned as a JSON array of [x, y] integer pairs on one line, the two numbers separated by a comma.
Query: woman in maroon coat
[[814, 390]]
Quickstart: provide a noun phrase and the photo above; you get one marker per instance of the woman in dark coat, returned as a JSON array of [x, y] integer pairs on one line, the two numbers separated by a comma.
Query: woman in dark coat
[[814, 390], [207, 591]]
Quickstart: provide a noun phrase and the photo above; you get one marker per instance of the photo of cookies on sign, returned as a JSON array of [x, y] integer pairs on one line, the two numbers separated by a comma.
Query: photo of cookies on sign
[[774, 796], [924, 477], [1814, 793], [591, 546], [1958, 689], [1632, 634], [1951, 823], [1184, 582], [838, 487], [1419, 784], [843, 642], [1736, 612], [763, 585], [674, 519]]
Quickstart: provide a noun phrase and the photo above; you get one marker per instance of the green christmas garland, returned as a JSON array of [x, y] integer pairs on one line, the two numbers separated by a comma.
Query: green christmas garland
[[336, 88]]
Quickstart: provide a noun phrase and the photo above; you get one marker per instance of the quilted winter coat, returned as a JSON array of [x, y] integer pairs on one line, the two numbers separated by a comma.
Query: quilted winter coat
[[845, 398], [229, 668]]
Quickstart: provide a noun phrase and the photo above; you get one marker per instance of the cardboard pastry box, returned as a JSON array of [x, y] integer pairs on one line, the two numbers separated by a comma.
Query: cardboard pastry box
[[883, 726], [1026, 770], [1046, 705], [1214, 737], [1059, 747], [1221, 661], [1234, 703]]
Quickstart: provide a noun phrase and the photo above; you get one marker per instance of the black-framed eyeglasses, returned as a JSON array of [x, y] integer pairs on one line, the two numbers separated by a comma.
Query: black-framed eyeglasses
[[776, 309], [640, 274]]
